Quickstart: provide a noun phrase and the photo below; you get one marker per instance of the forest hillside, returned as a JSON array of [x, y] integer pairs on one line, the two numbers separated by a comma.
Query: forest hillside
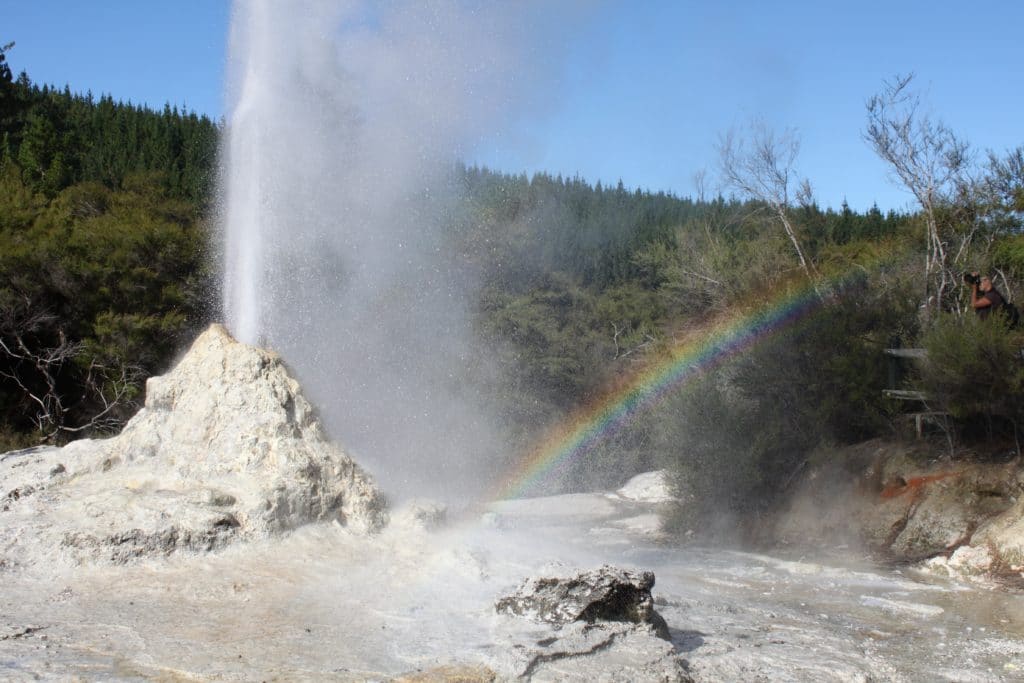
[[106, 232]]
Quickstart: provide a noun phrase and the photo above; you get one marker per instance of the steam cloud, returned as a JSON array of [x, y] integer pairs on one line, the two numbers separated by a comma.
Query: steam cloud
[[345, 123]]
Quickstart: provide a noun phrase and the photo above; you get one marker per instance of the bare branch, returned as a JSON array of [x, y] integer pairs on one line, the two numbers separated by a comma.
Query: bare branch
[[619, 352], [927, 159], [701, 277], [699, 182], [121, 385], [761, 167], [39, 369]]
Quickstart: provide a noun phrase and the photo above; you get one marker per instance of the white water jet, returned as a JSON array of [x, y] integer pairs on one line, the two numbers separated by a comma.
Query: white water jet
[[270, 157], [345, 123]]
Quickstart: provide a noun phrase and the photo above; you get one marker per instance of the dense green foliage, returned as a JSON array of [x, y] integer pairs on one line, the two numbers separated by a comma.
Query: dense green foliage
[[974, 372], [58, 138], [579, 280], [100, 288], [102, 251], [103, 241], [741, 434], [571, 317], [570, 323]]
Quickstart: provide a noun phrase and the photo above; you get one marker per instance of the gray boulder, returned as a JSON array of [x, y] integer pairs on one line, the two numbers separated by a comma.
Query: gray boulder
[[600, 595], [597, 625]]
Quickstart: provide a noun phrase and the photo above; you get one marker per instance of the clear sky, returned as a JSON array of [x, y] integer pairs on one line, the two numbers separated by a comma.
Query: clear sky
[[645, 87]]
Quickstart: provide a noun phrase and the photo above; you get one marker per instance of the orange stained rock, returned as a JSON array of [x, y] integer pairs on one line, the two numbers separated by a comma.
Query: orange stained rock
[[914, 485]]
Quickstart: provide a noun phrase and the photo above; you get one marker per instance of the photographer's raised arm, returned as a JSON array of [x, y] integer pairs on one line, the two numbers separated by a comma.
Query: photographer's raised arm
[[974, 280], [979, 301]]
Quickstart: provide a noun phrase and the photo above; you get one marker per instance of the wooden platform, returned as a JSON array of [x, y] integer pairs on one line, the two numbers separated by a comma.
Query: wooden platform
[[907, 353], [922, 417], [905, 394]]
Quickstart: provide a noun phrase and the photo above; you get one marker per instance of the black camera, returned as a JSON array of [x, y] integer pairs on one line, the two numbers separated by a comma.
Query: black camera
[[972, 279]]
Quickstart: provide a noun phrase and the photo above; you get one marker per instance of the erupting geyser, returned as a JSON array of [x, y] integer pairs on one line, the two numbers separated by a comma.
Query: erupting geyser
[[345, 123]]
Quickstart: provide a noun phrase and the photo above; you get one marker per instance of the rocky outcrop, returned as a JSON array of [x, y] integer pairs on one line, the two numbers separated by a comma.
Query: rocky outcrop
[[604, 594], [603, 625], [1005, 534], [964, 517], [226, 448]]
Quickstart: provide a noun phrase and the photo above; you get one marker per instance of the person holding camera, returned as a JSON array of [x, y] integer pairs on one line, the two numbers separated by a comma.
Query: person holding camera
[[985, 298]]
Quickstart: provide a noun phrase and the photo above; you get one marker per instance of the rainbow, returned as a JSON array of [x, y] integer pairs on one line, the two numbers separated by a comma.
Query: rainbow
[[686, 360]]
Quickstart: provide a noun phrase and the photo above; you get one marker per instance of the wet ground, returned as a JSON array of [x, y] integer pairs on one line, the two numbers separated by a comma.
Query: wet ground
[[322, 604]]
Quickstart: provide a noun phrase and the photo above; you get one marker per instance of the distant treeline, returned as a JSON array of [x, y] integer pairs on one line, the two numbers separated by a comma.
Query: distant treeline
[[581, 279], [103, 254], [594, 233], [58, 138], [104, 238]]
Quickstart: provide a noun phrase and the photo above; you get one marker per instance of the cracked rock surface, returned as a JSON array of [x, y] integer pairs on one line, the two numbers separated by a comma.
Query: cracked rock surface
[[603, 620], [600, 595]]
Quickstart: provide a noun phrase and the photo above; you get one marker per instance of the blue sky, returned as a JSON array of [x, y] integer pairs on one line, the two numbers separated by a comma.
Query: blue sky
[[644, 90]]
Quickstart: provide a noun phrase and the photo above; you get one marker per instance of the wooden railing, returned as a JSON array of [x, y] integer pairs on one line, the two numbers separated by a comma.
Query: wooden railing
[[920, 417]]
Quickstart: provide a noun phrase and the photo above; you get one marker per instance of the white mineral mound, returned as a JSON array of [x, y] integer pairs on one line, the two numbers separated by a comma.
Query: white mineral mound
[[226, 448]]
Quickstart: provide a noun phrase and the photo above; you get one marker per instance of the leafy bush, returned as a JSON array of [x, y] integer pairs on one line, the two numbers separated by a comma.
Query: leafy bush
[[709, 437], [739, 436], [101, 288], [974, 370], [1008, 255]]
